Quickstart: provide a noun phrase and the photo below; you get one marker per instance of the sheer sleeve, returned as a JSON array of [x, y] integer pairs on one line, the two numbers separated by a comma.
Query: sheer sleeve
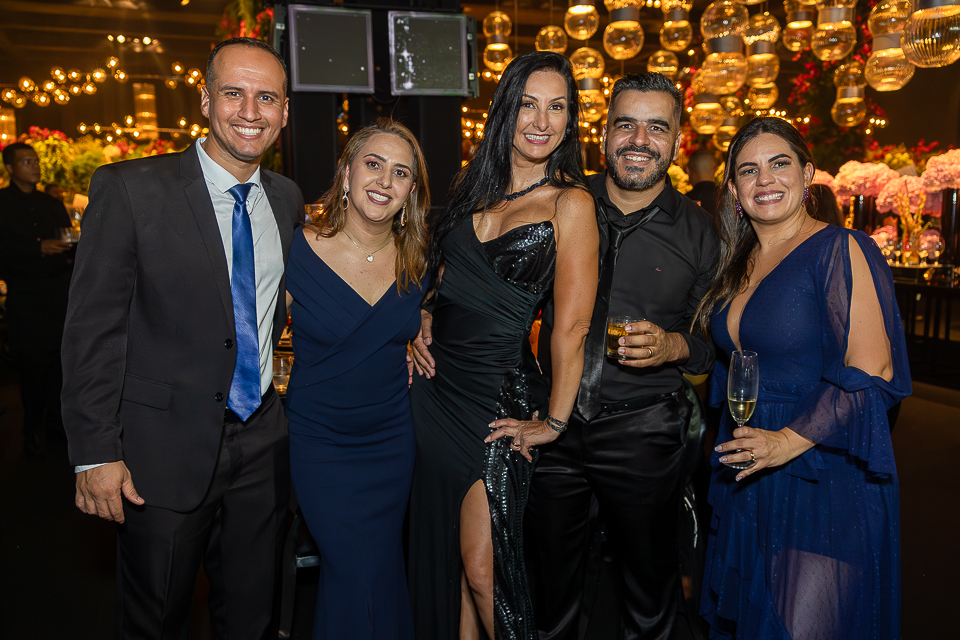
[[848, 409]]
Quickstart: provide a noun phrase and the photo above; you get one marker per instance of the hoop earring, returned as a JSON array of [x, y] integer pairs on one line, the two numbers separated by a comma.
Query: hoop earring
[[403, 216], [738, 207], [345, 201]]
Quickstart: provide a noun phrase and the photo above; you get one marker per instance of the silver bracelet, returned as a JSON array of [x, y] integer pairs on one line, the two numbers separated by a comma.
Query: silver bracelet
[[557, 425]]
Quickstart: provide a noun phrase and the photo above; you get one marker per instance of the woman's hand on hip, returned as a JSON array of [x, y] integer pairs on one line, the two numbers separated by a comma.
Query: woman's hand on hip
[[526, 434]]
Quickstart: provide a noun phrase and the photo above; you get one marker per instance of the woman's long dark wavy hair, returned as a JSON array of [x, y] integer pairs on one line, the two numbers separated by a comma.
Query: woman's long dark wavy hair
[[485, 180], [737, 237], [412, 239]]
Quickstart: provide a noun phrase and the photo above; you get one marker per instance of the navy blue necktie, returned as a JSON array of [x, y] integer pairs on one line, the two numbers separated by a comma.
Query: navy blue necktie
[[244, 395]]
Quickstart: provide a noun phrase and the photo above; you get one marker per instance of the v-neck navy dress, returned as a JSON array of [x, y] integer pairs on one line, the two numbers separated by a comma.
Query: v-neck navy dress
[[352, 444], [810, 550]]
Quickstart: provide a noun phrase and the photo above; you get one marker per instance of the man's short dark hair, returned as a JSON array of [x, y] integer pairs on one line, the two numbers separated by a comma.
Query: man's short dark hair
[[245, 42], [10, 151], [649, 82]]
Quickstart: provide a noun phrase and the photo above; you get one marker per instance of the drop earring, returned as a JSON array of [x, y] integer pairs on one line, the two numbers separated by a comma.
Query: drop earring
[[738, 207], [403, 216], [345, 201], [806, 194]]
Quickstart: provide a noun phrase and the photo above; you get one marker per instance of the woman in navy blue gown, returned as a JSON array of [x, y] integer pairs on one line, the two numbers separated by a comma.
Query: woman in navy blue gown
[[804, 543], [355, 282]]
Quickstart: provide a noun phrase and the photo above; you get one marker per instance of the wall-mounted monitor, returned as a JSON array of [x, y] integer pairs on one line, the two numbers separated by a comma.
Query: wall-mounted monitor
[[432, 54], [331, 49]]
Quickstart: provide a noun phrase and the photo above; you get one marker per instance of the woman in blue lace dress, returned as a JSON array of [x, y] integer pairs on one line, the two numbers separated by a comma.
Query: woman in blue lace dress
[[520, 229], [805, 542]]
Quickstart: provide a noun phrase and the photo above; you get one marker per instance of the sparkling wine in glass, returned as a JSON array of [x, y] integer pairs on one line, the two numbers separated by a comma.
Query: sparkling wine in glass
[[743, 387]]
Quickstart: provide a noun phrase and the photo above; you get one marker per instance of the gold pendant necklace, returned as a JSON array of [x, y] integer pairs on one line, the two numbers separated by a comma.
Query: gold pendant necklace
[[369, 255]]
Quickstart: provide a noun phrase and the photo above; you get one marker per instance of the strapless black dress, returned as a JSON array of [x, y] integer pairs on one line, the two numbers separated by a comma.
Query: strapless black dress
[[489, 296]]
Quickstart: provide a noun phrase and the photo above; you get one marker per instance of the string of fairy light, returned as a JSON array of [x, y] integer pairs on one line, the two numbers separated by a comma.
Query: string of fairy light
[[67, 84]]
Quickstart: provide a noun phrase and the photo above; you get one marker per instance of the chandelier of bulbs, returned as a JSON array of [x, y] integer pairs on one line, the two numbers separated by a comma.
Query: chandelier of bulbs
[[741, 51], [72, 83]]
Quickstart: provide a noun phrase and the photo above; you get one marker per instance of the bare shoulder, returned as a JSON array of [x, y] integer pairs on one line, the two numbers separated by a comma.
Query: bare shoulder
[[575, 205]]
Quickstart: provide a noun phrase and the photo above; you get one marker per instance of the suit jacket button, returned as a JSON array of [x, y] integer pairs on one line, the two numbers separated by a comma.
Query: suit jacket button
[[228, 343], [218, 397]]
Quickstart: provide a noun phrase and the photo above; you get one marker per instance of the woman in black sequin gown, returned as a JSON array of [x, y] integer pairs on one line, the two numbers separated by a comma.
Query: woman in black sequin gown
[[521, 228]]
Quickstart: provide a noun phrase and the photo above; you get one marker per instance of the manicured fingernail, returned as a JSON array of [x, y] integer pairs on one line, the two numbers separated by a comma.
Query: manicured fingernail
[[486, 439], [723, 459], [621, 351], [719, 447], [739, 478], [491, 424]]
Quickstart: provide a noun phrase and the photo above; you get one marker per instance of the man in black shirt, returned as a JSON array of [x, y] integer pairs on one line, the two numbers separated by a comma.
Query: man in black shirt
[[36, 267], [624, 443], [702, 169]]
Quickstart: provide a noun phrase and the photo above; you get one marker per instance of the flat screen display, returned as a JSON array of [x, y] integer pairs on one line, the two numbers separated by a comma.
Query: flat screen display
[[331, 49], [430, 54]]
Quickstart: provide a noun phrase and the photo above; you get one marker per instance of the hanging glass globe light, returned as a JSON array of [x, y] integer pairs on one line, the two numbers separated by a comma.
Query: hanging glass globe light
[[835, 35], [676, 5], [723, 18], [887, 68], [731, 105], [581, 20], [497, 23], [49, 86], [89, 88], [496, 55], [623, 37], [112, 62], [761, 27], [8, 94], [849, 74], [763, 96], [99, 75], [592, 103], [725, 68], [849, 110], [763, 63], [75, 89], [725, 132], [707, 115], [57, 72], [41, 99], [889, 16], [664, 62], [676, 34], [551, 38], [19, 101], [120, 75], [26, 84], [587, 62], [74, 75], [60, 96], [827, 4], [931, 36], [696, 82], [749, 2], [798, 32]]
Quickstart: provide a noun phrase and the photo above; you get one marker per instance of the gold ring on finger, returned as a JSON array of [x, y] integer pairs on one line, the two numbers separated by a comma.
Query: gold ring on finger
[[753, 458]]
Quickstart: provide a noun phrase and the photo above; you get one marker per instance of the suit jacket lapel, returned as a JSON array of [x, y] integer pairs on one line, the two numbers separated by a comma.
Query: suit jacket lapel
[[196, 192], [280, 203]]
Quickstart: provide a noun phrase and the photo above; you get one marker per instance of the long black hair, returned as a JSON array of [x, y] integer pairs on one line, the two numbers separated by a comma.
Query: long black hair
[[485, 180], [738, 238]]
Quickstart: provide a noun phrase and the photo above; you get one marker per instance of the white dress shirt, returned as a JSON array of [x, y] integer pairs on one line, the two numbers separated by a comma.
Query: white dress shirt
[[267, 253]]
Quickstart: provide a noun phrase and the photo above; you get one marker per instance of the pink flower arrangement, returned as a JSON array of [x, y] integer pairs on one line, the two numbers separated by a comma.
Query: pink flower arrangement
[[888, 198], [884, 235], [943, 172], [862, 179]]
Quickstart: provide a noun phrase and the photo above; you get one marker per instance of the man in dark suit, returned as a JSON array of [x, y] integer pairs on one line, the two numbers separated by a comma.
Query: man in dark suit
[[36, 266], [175, 305]]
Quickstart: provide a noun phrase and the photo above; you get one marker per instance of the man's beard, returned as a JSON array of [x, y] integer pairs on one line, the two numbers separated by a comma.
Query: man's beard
[[638, 178]]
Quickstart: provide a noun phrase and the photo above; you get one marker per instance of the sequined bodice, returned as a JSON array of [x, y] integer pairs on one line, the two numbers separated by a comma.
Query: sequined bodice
[[525, 256]]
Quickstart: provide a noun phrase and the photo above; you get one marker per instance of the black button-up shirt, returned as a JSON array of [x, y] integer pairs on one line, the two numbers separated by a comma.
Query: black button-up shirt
[[664, 268]]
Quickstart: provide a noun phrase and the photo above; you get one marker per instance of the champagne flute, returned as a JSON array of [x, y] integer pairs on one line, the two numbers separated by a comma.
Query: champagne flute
[[743, 387]]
